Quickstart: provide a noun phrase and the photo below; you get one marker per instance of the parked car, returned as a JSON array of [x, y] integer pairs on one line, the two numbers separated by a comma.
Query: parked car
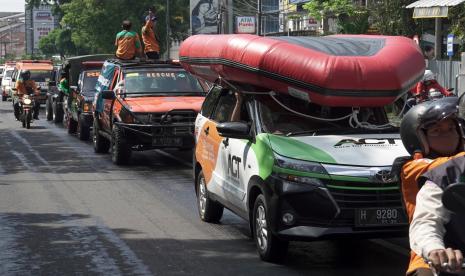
[[144, 105], [72, 67], [79, 115], [6, 80]]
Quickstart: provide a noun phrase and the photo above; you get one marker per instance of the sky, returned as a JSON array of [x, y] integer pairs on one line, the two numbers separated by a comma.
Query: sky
[[11, 5]]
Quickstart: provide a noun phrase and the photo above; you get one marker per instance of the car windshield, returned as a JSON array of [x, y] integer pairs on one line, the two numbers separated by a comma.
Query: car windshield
[[41, 75], [160, 81], [276, 118], [90, 80]]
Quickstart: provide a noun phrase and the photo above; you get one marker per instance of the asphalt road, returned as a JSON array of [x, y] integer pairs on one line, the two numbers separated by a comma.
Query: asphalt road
[[67, 211]]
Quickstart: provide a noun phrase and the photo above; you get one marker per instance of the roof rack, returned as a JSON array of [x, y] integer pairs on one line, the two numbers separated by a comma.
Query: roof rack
[[138, 62]]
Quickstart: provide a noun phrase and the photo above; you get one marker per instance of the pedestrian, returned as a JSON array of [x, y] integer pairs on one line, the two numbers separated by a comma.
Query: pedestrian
[[432, 134], [428, 52], [127, 43], [151, 45]]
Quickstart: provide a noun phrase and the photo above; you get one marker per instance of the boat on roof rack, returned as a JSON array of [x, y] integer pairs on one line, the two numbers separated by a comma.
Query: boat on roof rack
[[337, 70]]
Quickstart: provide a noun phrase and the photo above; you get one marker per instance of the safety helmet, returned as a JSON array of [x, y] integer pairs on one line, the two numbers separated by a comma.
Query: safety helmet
[[424, 115], [26, 74], [429, 75]]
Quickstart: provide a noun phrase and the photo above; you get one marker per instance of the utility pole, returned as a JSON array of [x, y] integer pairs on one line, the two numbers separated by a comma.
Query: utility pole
[[259, 18], [167, 29]]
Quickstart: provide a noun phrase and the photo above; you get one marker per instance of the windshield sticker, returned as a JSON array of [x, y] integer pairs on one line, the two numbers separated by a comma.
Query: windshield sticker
[[130, 75], [161, 75], [366, 142]]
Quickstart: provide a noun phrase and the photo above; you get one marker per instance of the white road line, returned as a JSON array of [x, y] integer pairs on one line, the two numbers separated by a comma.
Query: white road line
[[29, 147]]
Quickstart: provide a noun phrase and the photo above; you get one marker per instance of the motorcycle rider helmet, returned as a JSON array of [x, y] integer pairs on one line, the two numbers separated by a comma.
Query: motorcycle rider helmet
[[429, 75], [26, 75], [424, 115]]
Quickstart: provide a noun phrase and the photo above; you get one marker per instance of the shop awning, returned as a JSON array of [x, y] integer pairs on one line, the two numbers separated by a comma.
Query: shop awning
[[432, 8]]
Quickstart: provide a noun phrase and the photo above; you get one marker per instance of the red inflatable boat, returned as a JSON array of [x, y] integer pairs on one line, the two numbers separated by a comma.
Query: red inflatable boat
[[339, 70]]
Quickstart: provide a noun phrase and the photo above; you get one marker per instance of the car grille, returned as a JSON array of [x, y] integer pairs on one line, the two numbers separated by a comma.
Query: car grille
[[175, 117]]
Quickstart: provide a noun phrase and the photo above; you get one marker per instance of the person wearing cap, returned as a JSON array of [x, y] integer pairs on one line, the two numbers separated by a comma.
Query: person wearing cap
[[127, 42], [429, 82], [432, 134], [151, 45]]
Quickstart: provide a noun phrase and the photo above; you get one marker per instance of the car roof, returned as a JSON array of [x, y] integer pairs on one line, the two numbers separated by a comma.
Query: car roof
[[145, 64]]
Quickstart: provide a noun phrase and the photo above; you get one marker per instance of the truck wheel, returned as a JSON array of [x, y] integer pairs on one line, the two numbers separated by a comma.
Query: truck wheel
[[48, 110], [101, 145], [83, 131], [269, 247], [209, 210], [71, 125], [57, 113], [120, 150]]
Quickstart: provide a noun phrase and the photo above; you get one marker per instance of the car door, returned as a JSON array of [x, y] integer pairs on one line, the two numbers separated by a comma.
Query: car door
[[108, 104], [226, 173]]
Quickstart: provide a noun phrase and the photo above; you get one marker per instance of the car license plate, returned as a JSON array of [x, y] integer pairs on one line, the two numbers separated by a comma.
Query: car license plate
[[167, 141], [370, 217]]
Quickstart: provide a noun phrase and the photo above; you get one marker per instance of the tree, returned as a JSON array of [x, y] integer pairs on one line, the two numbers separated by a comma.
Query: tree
[[392, 18], [351, 18]]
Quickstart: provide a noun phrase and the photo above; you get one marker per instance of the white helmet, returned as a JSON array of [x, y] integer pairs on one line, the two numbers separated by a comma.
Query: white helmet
[[429, 75]]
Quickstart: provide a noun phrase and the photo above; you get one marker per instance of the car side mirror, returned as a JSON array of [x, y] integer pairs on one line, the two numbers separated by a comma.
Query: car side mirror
[[52, 83], [453, 198], [108, 94], [238, 130]]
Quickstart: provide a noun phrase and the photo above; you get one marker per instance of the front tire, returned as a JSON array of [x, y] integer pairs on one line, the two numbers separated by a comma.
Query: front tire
[[28, 120], [4, 98], [48, 110], [120, 150], [209, 210], [270, 248], [57, 113], [71, 124], [83, 131], [101, 145]]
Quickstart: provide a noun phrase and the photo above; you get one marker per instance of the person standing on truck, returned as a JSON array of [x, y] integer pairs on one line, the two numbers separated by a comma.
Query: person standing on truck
[[25, 85], [127, 42], [151, 45], [432, 134], [63, 86]]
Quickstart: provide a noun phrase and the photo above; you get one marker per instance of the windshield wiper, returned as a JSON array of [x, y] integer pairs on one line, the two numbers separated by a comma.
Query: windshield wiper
[[314, 131], [339, 131]]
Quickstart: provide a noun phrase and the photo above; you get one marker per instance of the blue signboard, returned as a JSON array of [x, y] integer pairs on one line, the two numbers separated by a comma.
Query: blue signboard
[[450, 45]]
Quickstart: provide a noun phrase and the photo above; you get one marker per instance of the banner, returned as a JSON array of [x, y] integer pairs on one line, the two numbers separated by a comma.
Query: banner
[[204, 16], [43, 23], [245, 25]]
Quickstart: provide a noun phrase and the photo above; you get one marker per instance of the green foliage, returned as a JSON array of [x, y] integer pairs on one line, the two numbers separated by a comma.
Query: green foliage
[[351, 18], [457, 18], [392, 18]]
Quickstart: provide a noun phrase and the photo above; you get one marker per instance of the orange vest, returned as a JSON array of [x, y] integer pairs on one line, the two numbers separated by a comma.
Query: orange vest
[[411, 171], [148, 37]]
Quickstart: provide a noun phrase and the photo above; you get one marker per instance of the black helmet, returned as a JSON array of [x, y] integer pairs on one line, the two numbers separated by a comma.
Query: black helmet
[[26, 74], [424, 115]]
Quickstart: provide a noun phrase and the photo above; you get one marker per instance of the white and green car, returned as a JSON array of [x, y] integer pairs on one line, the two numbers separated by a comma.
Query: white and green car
[[296, 170]]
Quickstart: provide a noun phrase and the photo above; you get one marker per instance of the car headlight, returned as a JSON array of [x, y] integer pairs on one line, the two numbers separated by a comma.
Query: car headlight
[[27, 101], [299, 165]]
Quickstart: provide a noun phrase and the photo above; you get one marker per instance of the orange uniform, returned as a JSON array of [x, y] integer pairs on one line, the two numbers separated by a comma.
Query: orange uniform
[[148, 37], [411, 172], [22, 87], [128, 44]]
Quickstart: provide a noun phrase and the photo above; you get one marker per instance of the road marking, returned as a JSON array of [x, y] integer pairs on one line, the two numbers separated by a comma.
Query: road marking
[[184, 162], [392, 246], [29, 147]]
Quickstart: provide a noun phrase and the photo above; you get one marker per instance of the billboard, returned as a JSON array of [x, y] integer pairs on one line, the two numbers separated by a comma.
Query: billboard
[[43, 22], [204, 16], [245, 25]]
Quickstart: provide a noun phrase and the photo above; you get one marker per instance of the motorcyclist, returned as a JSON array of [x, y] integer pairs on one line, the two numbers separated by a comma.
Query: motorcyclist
[[429, 82], [25, 85], [431, 132]]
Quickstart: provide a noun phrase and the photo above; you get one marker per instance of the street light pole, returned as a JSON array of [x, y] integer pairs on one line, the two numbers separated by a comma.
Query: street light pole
[[167, 29]]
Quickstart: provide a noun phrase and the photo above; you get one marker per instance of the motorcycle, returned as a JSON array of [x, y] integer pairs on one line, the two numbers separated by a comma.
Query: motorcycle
[[26, 105], [433, 94]]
